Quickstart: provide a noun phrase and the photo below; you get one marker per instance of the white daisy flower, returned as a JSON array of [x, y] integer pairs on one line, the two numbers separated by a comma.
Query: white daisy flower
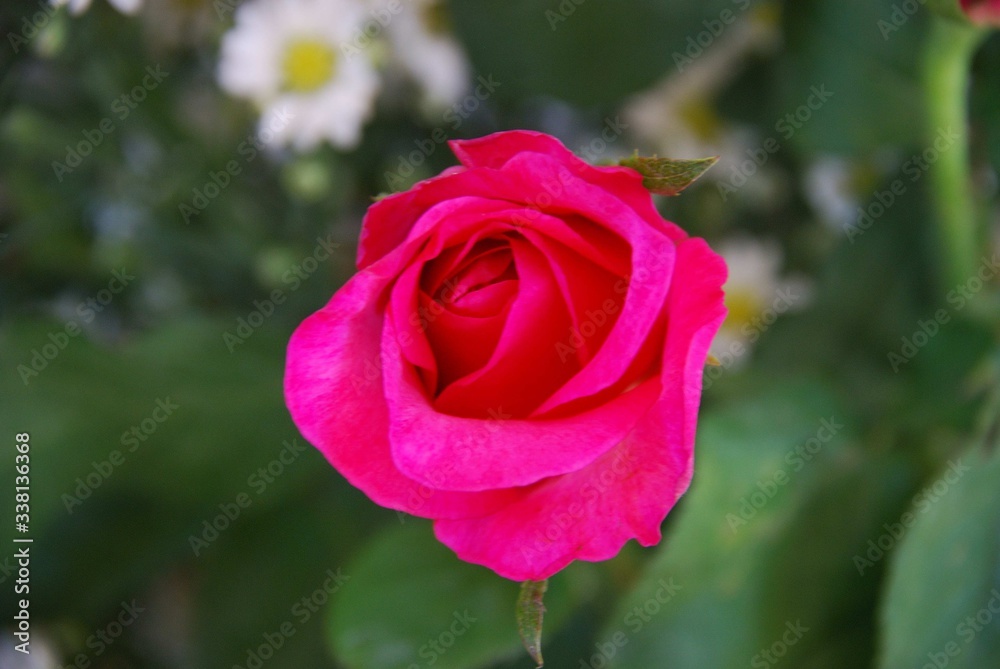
[[291, 58], [423, 47], [80, 6], [756, 295]]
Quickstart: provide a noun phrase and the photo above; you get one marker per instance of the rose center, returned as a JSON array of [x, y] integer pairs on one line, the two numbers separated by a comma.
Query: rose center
[[308, 64], [482, 283]]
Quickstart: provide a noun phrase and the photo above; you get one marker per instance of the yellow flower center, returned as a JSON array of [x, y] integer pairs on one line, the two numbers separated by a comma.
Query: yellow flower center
[[308, 65], [743, 307]]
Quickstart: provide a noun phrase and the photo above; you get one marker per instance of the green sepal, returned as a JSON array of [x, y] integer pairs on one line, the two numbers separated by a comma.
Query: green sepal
[[667, 176]]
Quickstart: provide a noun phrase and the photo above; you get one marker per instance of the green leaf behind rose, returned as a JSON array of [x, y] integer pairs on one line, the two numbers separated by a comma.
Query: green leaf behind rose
[[411, 602], [945, 575]]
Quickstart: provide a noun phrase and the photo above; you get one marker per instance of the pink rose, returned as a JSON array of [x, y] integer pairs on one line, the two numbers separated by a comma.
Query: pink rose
[[983, 11], [519, 357]]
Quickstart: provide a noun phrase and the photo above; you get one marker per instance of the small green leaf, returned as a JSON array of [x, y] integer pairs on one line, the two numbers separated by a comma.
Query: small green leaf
[[530, 611], [667, 176]]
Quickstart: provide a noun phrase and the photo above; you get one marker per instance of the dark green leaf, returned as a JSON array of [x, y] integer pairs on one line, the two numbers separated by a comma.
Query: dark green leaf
[[412, 603], [942, 605], [763, 543]]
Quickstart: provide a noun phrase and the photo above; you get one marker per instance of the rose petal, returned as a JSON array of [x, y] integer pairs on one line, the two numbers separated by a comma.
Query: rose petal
[[494, 151], [333, 388], [590, 514], [525, 367], [459, 453], [463, 343], [652, 268], [389, 221], [594, 297]]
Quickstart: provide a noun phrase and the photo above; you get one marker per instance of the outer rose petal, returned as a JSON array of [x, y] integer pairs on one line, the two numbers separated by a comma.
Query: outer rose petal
[[591, 513], [388, 221], [496, 149], [333, 387]]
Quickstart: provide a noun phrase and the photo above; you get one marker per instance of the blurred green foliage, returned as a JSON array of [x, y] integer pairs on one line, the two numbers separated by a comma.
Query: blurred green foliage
[[150, 529]]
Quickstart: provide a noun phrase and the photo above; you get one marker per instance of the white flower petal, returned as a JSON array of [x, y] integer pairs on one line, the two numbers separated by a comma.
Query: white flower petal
[[434, 60], [252, 62]]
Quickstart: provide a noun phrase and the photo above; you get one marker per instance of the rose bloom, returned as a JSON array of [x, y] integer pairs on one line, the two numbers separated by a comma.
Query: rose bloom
[[519, 357], [983, 11]]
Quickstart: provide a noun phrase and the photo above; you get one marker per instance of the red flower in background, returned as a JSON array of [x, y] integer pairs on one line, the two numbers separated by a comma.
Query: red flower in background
[[983, 11]]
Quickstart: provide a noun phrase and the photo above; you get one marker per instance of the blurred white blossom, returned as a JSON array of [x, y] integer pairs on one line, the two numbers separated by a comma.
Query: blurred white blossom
[[80, 6], [829, 187], [422, 45], [677, 116], [172, 23], [756, 295], [293, 58]]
